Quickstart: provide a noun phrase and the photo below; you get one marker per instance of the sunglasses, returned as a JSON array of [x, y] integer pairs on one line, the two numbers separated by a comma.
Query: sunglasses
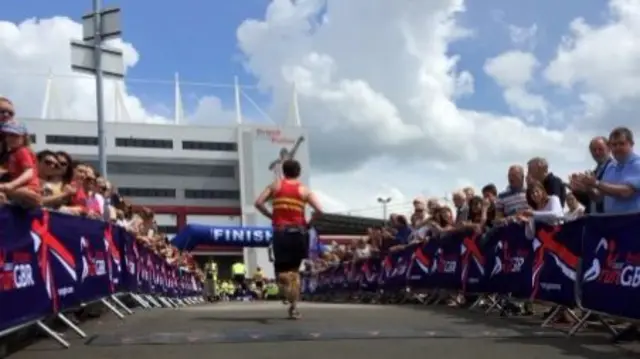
[[52, 164], [62, 164], [6, 113]]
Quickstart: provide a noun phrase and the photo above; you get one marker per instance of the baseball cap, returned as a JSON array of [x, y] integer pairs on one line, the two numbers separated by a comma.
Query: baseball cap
[[14, 128]]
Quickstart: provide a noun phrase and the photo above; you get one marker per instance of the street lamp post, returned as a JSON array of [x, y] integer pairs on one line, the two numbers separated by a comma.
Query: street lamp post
[[384, 201]]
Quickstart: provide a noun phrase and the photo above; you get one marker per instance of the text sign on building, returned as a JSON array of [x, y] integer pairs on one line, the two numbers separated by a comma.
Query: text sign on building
[[264, 150]]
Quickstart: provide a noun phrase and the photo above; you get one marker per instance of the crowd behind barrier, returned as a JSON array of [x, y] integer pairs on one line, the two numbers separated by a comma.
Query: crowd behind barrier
[[592, 263], [52, 262], [69, 241]]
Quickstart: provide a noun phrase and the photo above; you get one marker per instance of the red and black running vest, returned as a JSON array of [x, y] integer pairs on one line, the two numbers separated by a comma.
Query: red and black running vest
[[288, 205]]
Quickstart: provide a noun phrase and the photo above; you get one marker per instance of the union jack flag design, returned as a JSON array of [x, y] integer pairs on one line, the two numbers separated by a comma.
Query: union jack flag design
[[49, 248]]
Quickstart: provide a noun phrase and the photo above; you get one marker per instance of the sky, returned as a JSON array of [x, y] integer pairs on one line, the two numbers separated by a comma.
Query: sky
[[402, 98]]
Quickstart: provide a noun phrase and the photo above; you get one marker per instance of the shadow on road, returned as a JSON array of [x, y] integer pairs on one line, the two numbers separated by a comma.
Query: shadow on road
[[258, 320], [589, 344]]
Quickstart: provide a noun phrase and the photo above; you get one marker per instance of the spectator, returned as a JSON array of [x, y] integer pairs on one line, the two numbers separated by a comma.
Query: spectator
[[601, 154], [546, 207], [432, 206], [620, 184], [95, 201], [23, 187], [362, 250], [490, 194], [419, 216], [462, 207], [469, 193], [6, 114], [477, 218], [513, 200], [402, 230], [538, 169], [443, 219], [574, 208], [54, 191]]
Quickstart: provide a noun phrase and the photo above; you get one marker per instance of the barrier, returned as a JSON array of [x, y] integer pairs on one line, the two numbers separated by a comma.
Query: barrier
[[592, 264], [51, 263]]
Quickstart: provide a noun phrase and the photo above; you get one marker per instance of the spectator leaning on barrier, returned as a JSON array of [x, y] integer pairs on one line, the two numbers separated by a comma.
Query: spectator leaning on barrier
[[538, 170], [7, 112], [419, 216], [601, 153], [620, 184], [462, 207], [23, 187], [545, 207], [574, 208], [490, 194], [513, 200]]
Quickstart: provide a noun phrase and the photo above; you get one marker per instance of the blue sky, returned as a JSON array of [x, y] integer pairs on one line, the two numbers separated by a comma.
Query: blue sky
[[197, 39]]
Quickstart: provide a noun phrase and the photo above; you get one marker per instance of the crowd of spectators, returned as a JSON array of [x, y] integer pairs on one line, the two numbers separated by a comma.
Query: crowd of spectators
[[534, 192], [55, 181]]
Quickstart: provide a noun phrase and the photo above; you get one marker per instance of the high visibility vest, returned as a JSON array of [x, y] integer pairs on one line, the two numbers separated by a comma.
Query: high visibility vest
[[238, 269]]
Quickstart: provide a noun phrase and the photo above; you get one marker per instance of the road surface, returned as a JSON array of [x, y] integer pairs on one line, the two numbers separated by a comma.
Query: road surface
[[258, 330]]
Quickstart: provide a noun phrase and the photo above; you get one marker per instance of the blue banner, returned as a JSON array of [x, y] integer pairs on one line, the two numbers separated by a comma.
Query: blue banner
[[611, 265], [194, 235], [593, 262], [51, 262]]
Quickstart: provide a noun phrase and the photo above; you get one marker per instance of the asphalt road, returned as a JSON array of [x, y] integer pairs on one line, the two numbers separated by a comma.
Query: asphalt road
[[260, 330]]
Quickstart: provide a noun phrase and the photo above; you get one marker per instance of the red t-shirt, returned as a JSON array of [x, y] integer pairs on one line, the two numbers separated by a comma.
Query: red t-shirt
[[79, 199], [20, 160]]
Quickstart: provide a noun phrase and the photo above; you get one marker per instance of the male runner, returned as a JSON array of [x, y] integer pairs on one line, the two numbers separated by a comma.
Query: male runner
[[288, 199]]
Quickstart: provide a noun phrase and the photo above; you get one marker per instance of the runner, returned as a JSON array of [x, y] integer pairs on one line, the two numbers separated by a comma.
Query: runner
[[289, 198]]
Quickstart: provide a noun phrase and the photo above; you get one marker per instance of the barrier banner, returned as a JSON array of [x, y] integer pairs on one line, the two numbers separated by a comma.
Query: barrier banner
[[508, 261], [419, 266], [473, 263], [556, 258], [447, 271], [611, 265], [22, 289], [395, 266], [50, 262], [371, 269]]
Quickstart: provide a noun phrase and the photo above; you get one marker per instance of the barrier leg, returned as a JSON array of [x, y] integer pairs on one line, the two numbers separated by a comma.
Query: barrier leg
[[551, 316], [72, 325], [495, 304], [52, 334], [121, 305], [583, 321], [112, 308], [143, 303], [153, 301], [165, 302]]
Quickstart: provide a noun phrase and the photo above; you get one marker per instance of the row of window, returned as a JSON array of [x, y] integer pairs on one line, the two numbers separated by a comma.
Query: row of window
[[171, 193], [141, 143], [168, 169]]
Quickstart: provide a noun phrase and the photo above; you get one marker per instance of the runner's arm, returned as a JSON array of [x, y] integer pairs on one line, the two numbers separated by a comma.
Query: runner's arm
[[314, 202], [260, 203]]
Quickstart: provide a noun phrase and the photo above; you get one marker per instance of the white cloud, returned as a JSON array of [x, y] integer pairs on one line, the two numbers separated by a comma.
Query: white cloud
[[600, 65], [33, 49], [514, 70], [378, 88]]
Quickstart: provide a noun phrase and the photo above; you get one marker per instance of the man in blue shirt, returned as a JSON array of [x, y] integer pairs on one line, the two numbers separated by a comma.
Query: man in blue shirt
[[619, 188], [620, 184]]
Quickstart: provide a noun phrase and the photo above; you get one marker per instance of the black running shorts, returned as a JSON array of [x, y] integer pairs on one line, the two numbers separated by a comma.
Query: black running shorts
[[290, 248]]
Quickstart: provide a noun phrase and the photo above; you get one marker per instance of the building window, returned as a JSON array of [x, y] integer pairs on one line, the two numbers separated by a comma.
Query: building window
[[168, 229], [71, 140], [32, 138], [211, 194], [147, 192], [144, 142], [209, 146], [168, 169]]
